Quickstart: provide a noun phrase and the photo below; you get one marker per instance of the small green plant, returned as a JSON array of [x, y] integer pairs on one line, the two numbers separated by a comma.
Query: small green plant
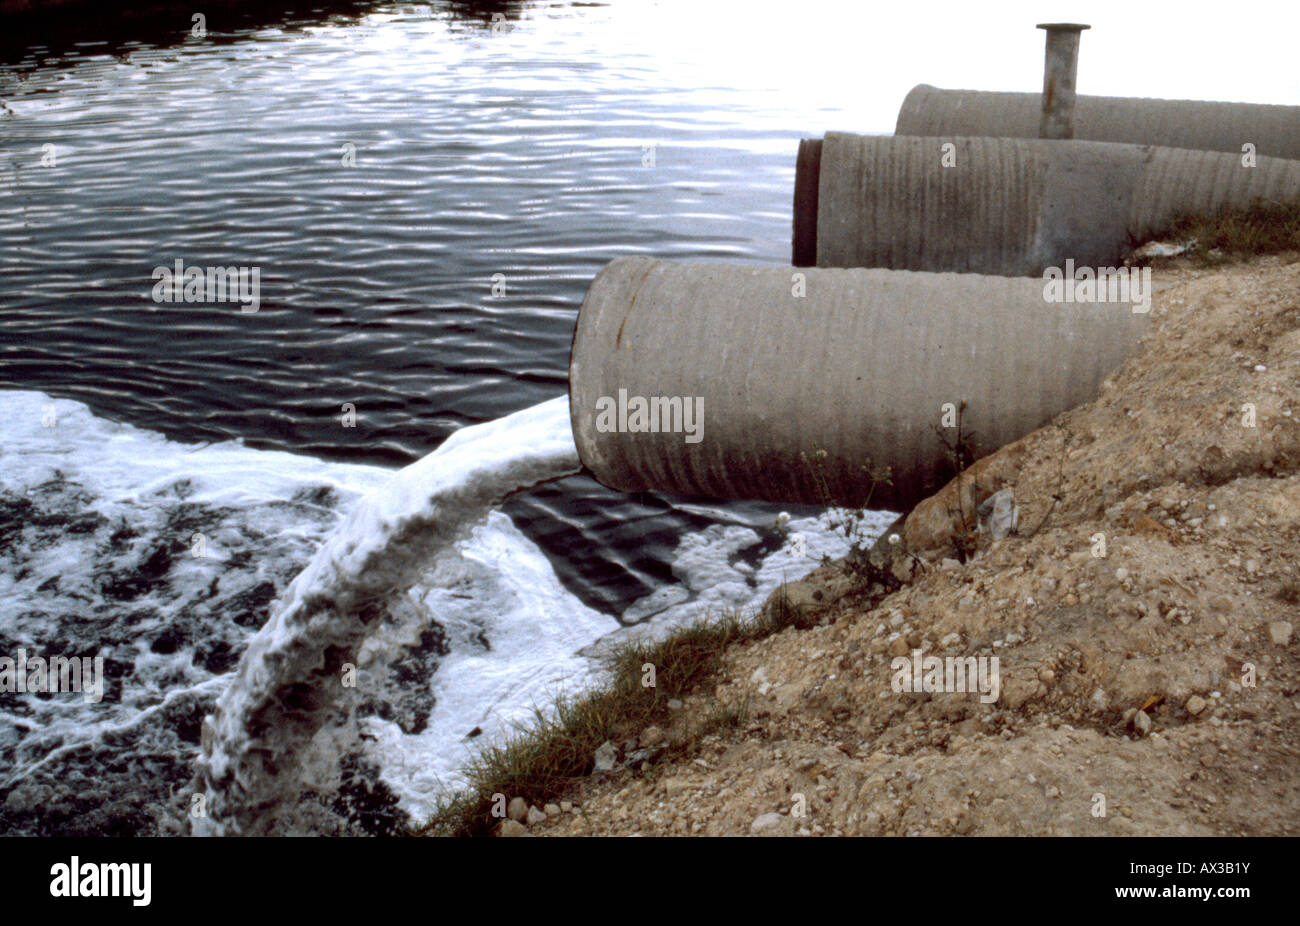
[[959, 454], [848, 519]]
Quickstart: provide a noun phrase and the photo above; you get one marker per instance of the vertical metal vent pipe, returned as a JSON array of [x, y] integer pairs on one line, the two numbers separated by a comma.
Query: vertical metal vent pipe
[[1060, 69]]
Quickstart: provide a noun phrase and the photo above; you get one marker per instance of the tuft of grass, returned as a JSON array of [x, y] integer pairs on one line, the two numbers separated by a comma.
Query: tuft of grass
[[1263, 227], [542, 760]]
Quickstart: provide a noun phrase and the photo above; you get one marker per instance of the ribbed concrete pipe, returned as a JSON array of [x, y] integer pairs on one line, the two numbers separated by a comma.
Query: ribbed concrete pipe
[[1200, 126], [1006, 206], [861, 367]]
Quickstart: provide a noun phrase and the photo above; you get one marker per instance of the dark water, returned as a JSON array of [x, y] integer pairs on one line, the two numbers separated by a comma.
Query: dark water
[[516, 148]]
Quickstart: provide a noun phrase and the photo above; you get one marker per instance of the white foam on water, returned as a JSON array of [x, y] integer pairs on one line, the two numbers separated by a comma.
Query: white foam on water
[[479, 634], [85, 502], [714, 575], [515, 633], [98, 557]]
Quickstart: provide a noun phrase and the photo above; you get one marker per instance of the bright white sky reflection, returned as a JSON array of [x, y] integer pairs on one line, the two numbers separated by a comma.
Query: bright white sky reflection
[[860, 59]]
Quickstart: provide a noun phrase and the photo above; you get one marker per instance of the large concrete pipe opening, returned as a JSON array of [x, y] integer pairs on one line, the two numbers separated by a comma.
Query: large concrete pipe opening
[[1273, 131], [726, 380], [1006, 206]]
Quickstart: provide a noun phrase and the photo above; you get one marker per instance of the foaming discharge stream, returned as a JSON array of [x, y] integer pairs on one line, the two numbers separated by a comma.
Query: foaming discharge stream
[[291, 675]]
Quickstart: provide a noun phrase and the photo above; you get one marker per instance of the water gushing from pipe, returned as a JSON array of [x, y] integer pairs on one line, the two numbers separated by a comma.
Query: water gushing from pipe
[[293, 671]]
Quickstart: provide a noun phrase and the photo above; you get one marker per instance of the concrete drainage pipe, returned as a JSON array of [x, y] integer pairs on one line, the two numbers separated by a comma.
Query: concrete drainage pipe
[[726, 380], [1273, 131], [1006, 206]]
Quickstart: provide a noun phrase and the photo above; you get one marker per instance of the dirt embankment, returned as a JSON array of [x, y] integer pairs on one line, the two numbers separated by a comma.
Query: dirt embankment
[[1142, 619]]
